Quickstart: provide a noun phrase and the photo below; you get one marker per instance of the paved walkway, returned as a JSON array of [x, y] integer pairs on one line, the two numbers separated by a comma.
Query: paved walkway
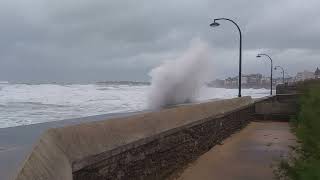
[[247, 155]]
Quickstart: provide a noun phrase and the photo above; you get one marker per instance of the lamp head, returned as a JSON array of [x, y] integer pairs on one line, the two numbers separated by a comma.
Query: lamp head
[[214, 24], [258, 56]]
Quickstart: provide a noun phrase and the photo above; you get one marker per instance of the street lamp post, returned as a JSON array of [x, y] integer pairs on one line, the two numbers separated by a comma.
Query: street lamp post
[[258, 56], [275, 68], [215, 24]]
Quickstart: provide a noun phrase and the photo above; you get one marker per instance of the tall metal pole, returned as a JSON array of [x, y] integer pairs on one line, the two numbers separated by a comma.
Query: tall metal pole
[[282, 76], [214, 24], [240, 63], [271, 79]]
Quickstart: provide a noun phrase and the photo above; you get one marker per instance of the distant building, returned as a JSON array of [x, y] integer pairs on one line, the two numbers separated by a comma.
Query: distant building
[[265, 80], [254, 79], [250, 80], [317, 73], [231, 81], [244, 79], [301, 76]]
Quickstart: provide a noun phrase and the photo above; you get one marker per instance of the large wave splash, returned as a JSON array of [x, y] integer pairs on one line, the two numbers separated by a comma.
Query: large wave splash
[[179, 80]]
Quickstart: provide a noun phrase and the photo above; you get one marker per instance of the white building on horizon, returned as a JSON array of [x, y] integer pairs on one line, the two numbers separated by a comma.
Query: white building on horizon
[[301, 76]]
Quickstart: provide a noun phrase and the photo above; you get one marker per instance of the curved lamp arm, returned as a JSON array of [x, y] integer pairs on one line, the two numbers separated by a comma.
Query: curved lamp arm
[[271, 79], [217, 19], [215, 24]]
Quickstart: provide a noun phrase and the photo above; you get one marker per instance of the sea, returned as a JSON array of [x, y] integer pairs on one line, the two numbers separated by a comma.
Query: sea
[[24, 104]]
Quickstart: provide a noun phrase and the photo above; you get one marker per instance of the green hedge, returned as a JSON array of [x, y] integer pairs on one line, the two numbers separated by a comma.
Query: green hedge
[[305, 163]]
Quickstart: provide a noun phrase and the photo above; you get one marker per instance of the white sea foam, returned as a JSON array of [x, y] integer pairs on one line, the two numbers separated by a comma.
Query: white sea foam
[[22, 104], [27, 104], [179, 80]]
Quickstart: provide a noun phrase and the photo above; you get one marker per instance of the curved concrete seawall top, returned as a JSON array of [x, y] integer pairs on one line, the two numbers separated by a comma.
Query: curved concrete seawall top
[[62, 151]]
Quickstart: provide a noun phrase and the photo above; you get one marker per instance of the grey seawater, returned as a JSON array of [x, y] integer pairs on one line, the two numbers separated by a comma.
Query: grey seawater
[[27, 110], [24, 104]]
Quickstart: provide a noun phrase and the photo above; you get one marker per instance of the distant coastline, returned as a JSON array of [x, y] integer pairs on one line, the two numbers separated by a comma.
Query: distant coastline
[[124, 82], [244, 86], [84, 83]]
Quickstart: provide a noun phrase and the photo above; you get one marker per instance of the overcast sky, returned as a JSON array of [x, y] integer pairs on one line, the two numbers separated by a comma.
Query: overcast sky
[[96, 40]]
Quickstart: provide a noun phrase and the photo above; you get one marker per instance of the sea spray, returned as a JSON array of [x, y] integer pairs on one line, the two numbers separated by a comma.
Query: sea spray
[[179, 80]]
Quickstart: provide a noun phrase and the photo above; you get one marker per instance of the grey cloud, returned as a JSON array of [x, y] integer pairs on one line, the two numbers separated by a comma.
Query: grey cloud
[[91, 40]]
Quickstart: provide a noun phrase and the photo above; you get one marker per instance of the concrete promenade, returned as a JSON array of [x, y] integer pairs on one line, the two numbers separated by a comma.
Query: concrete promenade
[[246, 155], [147, 145], [154, 144]]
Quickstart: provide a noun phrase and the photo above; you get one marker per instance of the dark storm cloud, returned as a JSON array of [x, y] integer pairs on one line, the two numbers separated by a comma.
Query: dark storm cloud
[[93, 40]]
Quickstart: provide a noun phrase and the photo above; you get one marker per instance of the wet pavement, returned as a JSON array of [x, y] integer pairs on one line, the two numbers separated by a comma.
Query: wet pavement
[[250, 154], [247, 155]]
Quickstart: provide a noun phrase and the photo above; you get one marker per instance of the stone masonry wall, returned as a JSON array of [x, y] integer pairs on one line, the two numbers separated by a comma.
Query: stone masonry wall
[[159, 156]]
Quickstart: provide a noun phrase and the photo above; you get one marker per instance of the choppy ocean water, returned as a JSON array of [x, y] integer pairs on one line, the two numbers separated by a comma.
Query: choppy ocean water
[[22, 104]]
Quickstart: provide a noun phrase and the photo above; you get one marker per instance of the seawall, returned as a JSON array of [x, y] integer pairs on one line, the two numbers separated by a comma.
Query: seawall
[[148, 145], [140, 146]]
